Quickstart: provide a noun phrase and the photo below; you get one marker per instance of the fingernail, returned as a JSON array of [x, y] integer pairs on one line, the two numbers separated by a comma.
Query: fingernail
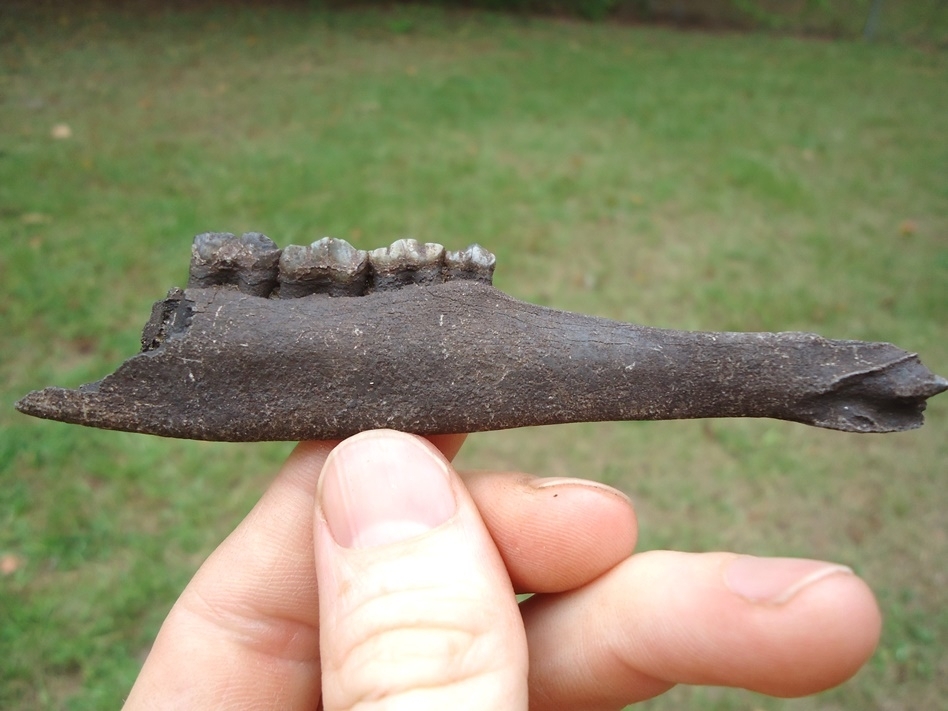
[[383, 487], [561, 481], [775, 581]]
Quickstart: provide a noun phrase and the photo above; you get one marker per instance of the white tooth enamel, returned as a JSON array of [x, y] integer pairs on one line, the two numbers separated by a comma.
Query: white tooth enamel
[[433, 254], [328, 265], [343, 260], [255, 265], [409, 251], [294, 260], [258, 243], [324, 256], [249, 261], [385, 259], [229, 251], [406, 261], [206, 246], [473, 262], [406, 254]]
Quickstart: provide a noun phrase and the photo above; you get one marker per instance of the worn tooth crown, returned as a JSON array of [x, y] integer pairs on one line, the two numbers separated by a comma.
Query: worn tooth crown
[[255, 265], [327, 266], [249, 261], [406, 261], [473, 262]]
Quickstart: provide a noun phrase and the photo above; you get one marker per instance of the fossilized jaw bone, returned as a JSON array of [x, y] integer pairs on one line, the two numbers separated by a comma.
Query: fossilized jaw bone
[[256, 266], [442, 353]]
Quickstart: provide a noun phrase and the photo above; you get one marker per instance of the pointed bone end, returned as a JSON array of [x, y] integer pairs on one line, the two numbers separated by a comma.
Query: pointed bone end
[[53, 404], [889, 398], [91, 407], [939, 385]]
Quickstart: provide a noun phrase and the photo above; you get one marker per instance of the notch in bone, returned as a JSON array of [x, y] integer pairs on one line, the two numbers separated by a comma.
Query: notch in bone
[[249, 262], [327, 266]]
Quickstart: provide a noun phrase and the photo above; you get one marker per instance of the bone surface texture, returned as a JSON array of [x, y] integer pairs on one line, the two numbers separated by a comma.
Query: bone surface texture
[[325, 340]]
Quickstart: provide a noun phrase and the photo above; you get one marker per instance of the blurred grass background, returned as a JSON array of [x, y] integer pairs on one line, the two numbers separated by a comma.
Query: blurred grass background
[[690, 180]]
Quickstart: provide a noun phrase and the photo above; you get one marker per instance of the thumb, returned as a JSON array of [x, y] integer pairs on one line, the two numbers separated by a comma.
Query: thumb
[[416, 610]]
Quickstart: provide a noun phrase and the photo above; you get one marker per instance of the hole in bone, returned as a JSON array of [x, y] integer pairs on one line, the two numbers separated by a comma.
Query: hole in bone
[[170, 318]]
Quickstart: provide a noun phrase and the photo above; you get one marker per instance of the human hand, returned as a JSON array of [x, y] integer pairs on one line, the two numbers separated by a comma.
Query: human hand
[[416, 571]]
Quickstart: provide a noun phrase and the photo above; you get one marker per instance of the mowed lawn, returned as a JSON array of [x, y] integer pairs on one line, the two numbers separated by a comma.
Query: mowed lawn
[[689, 180]]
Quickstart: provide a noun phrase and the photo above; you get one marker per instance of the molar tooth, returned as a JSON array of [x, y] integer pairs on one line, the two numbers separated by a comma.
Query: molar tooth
[[473, 262], [327, 266], [248, 261], [406, 261]]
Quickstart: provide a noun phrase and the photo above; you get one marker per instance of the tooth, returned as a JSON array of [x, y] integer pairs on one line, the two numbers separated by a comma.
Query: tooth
[[473, 262], [327, 266], [248, 261], [206, 268], [406, 261]]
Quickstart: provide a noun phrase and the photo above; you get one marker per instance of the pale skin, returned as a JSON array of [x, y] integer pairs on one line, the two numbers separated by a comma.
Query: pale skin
[[416, 568]]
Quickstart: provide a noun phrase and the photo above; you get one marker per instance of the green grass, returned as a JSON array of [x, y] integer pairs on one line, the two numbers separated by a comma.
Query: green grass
[[700, 181]]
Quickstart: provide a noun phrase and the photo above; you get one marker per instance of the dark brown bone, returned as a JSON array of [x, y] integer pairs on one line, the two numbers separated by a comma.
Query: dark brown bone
[[460, 356]]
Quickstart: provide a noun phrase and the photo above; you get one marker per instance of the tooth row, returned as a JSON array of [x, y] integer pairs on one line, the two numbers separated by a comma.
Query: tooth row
[[255, 265]]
